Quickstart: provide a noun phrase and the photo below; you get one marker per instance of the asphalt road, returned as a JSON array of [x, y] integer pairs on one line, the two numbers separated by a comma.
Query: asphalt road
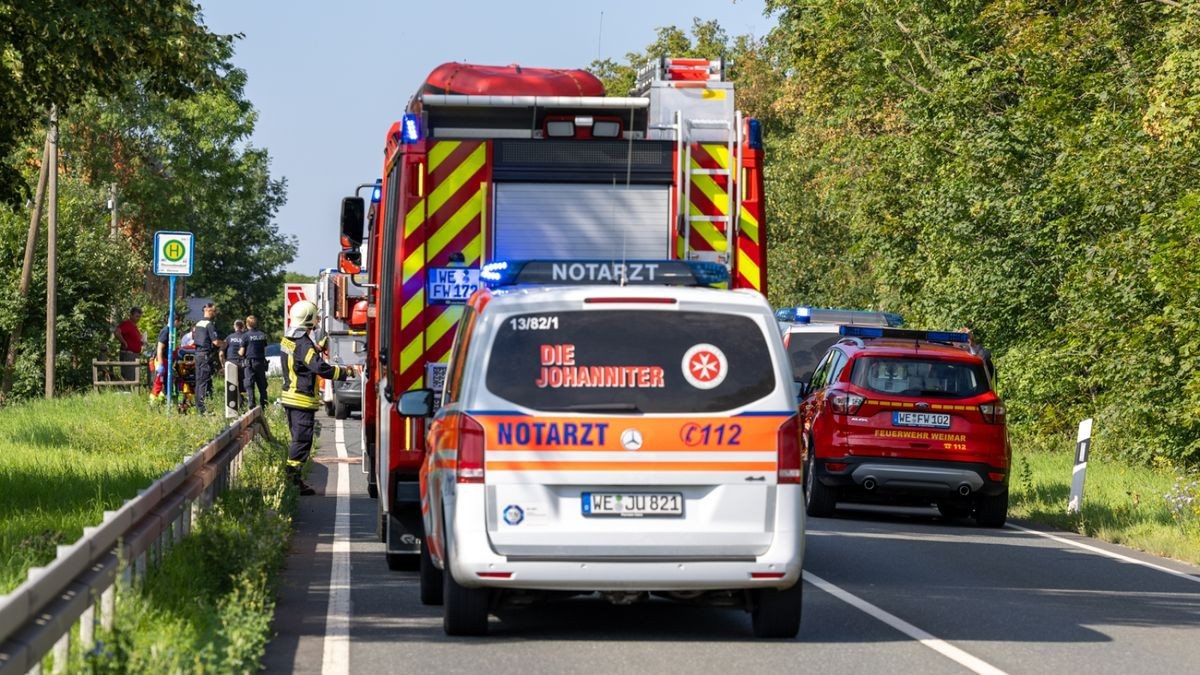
[[886, 591]]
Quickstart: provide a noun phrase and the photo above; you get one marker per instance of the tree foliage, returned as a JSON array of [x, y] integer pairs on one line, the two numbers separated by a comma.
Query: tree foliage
[[180, 159], [1024, 167], [56, 52]]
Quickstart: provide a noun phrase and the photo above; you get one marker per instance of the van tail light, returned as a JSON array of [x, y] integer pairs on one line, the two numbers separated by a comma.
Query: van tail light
[[790, 462], [993, 413], [470, 451], [845, 404]]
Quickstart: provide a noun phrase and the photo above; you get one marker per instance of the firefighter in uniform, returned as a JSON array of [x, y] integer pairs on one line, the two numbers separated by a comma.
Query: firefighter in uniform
[[302, 363], [207, 341], [232, 353], [254, 355]]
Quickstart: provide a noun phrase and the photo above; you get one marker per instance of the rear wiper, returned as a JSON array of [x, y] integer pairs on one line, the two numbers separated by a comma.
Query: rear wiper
[[621, 407]]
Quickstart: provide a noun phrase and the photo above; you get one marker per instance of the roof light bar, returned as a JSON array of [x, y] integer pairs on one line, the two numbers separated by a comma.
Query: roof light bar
[[903, 333], [591, 272], [805, 314]]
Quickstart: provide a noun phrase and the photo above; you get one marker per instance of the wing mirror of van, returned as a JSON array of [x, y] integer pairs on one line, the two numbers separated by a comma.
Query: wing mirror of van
[[416, 403], [801, 390]]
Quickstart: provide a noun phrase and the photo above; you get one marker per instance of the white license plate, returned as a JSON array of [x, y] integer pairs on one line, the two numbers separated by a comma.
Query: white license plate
[[451, 285], [632, 504], [921, 419]]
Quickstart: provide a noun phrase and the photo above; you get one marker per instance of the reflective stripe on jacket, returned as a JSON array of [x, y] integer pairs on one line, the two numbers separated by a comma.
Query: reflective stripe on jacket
[[301, 366]]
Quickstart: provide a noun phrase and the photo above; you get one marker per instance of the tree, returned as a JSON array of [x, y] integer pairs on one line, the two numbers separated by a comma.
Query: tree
[[60, 51]]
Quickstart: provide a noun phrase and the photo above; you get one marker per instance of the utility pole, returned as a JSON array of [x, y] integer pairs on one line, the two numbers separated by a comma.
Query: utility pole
[[35, 221], [52, 253], [112, 206]]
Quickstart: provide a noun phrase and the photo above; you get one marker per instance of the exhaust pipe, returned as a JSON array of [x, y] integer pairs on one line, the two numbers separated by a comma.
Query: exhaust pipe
[[964, 489], [869, 483]]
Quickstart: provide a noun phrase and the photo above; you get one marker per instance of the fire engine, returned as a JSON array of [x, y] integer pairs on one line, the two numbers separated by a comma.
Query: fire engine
[[342, 328], [510, 162]]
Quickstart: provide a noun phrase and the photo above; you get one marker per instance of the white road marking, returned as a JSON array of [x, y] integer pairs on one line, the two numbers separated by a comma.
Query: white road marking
[[942, 647], [1107, 554], [336, 657]]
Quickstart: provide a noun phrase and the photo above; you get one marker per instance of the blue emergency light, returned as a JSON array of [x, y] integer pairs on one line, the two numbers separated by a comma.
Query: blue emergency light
[[903, 334], [410, 128], [591, 272], [804, 314], [377, 192]]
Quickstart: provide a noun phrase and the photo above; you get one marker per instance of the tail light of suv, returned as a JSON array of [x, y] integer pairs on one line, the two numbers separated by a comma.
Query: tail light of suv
[[470, 451], [790, 462], [845, 404], [993, 413]]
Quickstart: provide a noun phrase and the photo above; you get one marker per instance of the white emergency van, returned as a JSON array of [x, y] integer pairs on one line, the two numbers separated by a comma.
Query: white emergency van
[[613, 428]]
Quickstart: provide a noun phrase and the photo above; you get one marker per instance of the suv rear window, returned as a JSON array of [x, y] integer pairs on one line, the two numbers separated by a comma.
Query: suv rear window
[[805, 351], [919, 377], [629, 361]]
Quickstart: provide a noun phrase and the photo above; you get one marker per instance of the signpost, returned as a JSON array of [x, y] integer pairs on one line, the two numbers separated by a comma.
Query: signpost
[[1083, 444], [173, 257]]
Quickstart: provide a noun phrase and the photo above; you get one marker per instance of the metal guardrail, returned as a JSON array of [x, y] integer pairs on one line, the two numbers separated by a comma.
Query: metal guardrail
[[37, 618]]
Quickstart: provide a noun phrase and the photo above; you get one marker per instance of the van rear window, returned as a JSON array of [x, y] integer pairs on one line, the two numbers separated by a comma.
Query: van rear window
[[630, 361], [919, 377]]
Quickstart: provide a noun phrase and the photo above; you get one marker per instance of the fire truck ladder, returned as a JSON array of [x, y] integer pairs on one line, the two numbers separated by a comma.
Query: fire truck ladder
[[684, 138]]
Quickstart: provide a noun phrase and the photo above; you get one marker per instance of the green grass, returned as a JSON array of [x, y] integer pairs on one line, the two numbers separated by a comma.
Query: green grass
[[1141, 507], [64, 462], [208, 606]]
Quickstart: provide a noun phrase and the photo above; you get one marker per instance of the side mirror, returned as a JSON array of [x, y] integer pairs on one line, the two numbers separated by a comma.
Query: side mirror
[[416, 403], [801, 390], [350, 262], [353, 210]]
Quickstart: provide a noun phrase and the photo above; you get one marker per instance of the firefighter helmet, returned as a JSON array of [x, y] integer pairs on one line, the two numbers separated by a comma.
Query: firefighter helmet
[[303, 314]]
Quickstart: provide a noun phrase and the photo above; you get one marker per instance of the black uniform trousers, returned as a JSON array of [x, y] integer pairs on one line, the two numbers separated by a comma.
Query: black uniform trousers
[[301, 423], [254, 375], [204, 375]]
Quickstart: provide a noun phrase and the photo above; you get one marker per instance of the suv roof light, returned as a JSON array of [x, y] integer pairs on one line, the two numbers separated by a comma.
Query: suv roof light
[[591, 272], [806, 314], [903, 333]]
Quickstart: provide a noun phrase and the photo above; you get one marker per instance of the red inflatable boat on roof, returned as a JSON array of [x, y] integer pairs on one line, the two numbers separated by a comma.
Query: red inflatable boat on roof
[[512, 80]]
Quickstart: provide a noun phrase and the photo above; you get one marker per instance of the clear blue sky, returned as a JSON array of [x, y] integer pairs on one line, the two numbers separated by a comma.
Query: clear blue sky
[[328, 78]]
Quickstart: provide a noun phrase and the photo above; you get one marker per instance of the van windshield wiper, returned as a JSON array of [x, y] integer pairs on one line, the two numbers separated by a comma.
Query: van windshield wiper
[[623, 407]]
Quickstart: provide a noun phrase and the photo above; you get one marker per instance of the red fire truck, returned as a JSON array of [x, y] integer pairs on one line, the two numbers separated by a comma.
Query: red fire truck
[[510, 162]]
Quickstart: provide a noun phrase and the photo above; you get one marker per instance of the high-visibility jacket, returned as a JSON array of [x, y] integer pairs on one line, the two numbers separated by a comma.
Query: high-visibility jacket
[[302, 363]]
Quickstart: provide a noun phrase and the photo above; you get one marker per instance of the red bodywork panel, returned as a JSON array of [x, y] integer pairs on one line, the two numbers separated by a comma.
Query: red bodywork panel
[[513, 80]]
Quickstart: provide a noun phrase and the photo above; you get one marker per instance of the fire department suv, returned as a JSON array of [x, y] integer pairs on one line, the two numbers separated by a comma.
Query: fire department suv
[[492, 163], [633, 438]]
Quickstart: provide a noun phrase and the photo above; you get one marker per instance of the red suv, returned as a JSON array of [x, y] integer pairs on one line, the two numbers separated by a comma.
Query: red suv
[[905, 416]]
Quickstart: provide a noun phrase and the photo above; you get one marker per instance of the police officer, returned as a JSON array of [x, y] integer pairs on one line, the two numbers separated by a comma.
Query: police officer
[[302, 364], [254, 355], [208, 341], [232, 353]]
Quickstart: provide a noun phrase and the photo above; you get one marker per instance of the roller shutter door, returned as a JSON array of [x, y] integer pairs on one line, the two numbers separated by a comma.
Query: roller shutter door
[[573, 220]]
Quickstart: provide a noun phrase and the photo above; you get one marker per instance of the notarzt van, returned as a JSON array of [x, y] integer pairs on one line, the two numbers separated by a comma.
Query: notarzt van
[[632, 439]]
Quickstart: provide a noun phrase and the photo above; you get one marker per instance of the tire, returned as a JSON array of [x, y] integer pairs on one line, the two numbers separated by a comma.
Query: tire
[[329, 409], [776, 612], [992, 511], [466, 609], [341, 410], [432, 591], [820, 501], [953, 509]]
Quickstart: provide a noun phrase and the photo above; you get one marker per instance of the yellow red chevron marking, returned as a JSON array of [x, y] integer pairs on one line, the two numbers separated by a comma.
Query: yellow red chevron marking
[[453, 227], [457, 178], [443, 324], [440, 151], [414, 218]]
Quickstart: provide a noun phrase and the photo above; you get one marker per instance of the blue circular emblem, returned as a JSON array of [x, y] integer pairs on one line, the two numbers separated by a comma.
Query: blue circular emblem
[[513, 514]]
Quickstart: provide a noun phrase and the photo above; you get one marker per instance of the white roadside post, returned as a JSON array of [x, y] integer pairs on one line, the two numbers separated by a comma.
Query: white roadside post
[[172, 258], [232, 389], [1083, 444]]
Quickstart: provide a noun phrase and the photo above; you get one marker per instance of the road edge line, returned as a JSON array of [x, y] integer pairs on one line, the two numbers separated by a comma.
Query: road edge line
[[1108, 554], [335, 658]]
